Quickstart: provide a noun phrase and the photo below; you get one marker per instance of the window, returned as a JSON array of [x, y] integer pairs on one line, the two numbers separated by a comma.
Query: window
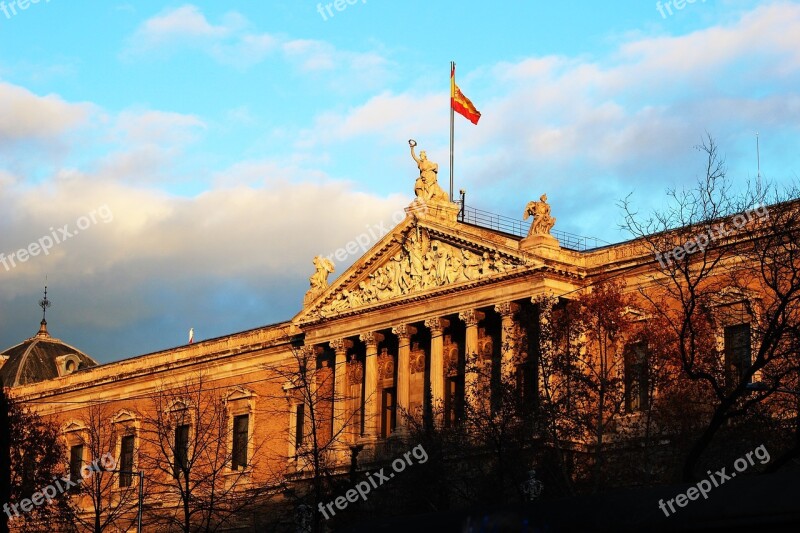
[[388, 419], [737, 352], [126, 461], [299, 423], [181, 449], [636, 378], [241, 425], [75, 462]]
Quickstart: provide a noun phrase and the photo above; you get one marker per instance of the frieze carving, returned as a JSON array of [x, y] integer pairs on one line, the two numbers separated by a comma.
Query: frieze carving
[[417, 359], [422, 263], [355, 371], [385, 364]]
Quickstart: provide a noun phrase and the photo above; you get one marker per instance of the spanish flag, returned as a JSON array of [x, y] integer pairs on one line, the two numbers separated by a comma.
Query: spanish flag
[[460, 103]]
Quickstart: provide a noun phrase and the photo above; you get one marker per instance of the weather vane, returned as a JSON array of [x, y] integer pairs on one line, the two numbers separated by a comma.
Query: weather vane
[[44, 303]]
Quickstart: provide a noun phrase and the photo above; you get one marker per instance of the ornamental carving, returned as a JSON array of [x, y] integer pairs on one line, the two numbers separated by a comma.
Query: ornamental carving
[[385, 364], [417, 359], [355, 371], [450, 358], [485, 345], [422, 263]]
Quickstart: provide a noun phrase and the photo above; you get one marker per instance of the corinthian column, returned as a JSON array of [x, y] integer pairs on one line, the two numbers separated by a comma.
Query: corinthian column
[[404, 333], [508, 340], [471, 318], [371, 339], [437, 326], [340, 432]]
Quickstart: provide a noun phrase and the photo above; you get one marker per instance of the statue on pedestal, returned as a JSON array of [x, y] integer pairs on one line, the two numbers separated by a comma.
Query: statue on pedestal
[[427, 185], [319, 279], [542, 221]]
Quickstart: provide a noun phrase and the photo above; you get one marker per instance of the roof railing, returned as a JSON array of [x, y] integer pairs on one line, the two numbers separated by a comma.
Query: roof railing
[[519, 228]]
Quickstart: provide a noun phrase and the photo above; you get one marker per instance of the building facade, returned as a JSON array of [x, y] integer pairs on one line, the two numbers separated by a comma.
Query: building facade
[[403, 334]]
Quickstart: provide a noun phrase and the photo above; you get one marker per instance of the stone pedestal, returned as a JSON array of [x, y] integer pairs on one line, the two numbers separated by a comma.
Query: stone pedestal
[[532, 242]]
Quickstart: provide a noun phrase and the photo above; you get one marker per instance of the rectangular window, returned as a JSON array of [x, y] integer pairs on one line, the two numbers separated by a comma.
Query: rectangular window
[[388, 417], [241, 426], [636, 378], [737, 352], [181, 449], [75, 462], [299, 425], [126, 461]]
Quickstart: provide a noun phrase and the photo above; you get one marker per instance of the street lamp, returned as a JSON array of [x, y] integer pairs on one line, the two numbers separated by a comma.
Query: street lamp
[[140, 473]]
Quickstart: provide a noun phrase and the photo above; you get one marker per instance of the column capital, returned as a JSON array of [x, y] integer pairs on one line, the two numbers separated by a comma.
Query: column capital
[[404, 331], [308, 352], [506, 309], [341, 345], [471, 317], [436, 325], [371, 338]]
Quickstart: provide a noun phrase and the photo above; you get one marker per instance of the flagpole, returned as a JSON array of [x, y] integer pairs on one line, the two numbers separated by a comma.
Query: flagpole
[[452, 125]]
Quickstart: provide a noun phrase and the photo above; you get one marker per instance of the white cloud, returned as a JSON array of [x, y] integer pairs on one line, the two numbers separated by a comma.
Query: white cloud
[[233, 43], [26, 116]]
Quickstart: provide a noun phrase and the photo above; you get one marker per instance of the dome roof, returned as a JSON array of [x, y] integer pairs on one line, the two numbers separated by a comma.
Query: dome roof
[[40, 358]]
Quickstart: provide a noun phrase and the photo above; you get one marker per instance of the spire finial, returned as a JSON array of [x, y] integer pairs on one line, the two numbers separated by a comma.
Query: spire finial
[[44, 303]]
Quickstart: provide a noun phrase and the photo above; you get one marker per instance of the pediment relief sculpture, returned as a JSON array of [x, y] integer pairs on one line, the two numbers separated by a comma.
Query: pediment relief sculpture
[[422, 263]]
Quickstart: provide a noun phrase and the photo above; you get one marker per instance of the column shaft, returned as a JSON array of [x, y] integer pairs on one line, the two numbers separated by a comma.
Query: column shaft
[[437, 326], [404, 333], [371, 385]]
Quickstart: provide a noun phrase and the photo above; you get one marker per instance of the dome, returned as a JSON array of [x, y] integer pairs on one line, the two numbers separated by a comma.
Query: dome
[[40, 358]]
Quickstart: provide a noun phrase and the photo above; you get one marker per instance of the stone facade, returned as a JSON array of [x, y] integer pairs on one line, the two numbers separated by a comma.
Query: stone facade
[[432, 298]]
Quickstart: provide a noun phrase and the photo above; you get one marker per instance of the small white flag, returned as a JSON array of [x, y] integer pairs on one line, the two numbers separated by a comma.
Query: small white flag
[[191, 335]]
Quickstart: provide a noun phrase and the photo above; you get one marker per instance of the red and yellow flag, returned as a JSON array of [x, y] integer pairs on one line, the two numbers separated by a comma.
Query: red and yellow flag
[[461, 104]]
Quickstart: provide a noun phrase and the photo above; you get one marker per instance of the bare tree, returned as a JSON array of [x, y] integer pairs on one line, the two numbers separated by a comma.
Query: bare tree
[[186, 449], [725, 258], [112, 503], [316, 443]]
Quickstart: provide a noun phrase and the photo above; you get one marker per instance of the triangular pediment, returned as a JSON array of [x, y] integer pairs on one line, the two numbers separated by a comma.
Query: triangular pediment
[[421, 256]]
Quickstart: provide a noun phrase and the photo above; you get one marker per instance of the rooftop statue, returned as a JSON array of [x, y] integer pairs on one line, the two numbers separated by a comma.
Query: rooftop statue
[[542, 221], [427, 185], [319, 279]]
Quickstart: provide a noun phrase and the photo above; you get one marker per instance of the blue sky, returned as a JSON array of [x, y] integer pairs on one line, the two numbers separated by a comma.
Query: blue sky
[[209, 150]]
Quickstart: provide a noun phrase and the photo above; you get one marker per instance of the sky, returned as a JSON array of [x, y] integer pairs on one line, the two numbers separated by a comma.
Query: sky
[[178, 165]]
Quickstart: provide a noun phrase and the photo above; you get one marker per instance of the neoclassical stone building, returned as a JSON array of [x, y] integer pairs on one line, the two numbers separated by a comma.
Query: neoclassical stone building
[[441, 292]]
